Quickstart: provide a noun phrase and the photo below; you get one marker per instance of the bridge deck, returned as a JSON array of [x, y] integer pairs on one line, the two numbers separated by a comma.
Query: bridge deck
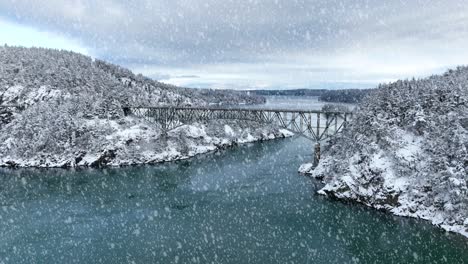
[[242, 109]]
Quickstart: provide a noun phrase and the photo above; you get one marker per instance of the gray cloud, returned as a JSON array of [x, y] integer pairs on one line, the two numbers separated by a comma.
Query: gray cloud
[[362, 41]]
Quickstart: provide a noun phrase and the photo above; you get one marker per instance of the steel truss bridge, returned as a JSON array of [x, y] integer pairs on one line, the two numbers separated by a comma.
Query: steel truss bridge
[[311, 124], [314, 125]]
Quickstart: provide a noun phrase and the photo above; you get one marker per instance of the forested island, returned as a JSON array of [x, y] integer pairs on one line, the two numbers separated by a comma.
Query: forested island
[[406, 151]]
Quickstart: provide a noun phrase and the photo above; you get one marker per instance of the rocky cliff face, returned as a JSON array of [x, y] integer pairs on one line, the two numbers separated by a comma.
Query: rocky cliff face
[[406, 152], [71, 114]]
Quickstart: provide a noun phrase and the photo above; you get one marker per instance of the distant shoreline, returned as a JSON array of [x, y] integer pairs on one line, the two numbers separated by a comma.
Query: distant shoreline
[[352, 96]]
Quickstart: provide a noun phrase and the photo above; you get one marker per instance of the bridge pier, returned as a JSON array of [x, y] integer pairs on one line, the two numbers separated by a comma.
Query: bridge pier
[[316, 154]]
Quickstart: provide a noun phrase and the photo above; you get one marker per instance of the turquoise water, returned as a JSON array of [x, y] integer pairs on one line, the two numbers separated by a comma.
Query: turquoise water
[[242, 205]]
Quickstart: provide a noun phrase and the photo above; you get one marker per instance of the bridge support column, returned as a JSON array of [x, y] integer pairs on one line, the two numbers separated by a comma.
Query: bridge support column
[[316, 154]]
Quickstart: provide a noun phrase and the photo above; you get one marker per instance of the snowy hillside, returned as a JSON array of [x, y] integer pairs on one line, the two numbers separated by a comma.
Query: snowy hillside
[[31, 75], [71, 113], [406, 152]]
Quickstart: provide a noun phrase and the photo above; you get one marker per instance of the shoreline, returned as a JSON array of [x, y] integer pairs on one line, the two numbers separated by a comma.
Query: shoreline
[[92, 160], [308, 170]]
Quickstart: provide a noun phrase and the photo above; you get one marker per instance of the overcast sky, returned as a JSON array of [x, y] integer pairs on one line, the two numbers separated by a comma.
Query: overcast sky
[[251, 43]]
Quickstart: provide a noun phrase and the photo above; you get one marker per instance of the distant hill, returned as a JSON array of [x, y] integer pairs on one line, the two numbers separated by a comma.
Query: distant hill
[[293, 92], [335, 96], [351, 96]]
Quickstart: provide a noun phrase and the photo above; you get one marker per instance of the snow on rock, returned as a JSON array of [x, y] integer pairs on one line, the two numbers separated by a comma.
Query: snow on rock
[[229, 131], [12, 94], [306, 168], [406, 152], [248, 138], [286, 133], [88, 160], [192, 131], [44, 93]]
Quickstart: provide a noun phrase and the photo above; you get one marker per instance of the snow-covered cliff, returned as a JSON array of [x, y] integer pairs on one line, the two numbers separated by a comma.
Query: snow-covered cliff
[[406, 152], [71, 114]]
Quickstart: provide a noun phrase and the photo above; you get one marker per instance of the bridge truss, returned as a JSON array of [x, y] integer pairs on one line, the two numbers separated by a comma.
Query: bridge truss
[[313, 125]]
